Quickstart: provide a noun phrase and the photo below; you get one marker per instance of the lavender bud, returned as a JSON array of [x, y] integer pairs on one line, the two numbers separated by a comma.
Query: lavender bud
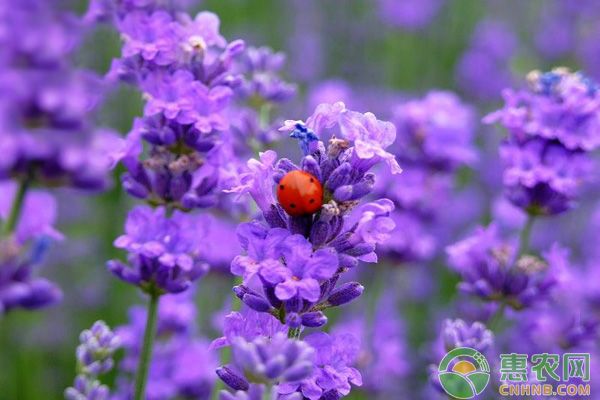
[[314, 319], [343, 193], [345, 293], [256, 302], [232, 379], [310, 165], [361, 249]]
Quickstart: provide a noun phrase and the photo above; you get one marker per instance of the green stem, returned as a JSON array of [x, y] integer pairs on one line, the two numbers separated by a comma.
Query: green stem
[[267, 393], [146, 355], [15, 211], [525, 235], [264, 116], [496, 319]]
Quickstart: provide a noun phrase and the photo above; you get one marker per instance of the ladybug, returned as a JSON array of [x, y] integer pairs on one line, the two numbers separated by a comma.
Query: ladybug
[[300, 193]]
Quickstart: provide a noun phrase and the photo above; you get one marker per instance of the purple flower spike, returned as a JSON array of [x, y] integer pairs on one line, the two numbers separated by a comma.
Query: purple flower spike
[[334, 355], [94, 358], [164, 253], [458, 333], [261, 360], [437, 130], [552, 127], [292, 263], [262, 66], [96, 349], [277, 359], [491, 269]]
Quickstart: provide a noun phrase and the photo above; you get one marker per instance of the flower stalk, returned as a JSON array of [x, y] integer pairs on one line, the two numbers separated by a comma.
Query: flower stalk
[[146, 354], [525, 236], [11, 222]]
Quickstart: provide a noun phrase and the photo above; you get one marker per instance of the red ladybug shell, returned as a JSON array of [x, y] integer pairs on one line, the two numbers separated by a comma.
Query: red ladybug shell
[[300, 193]]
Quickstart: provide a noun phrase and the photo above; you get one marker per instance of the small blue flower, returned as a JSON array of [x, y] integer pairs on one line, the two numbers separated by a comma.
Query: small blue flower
[[305, 135]]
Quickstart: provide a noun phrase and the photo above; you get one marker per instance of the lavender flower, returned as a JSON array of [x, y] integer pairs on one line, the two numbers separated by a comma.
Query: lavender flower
[[436, 130], [184, 67], [410, 15], [458, 333], [558, 329], [294, 262], [333, 374], [163, 252], [560, 105], [46, 104], [263, 355], [262, 67], [19, 287], [275, 359], [551, 127], [483, 70], [22, 253], [543, 177], [491, 269], [436, 136], [94, 358]]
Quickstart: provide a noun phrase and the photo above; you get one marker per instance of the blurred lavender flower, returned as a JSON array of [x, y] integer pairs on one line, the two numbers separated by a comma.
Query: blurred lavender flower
[[38, 217], [307, 61], [458, 333], [382, 359], [409, 14], [559, 105], [261, 67], [492, 269], [330, 91], [551, 128], [253, 120], [36, 33], [22, 252], [543, 177], [436, 136], [556, 34], [46, 104], [483, 71], [94, 358], [293, 261], [557, 329], [437, 130], [164, 253], [19, 287], [182, 364]]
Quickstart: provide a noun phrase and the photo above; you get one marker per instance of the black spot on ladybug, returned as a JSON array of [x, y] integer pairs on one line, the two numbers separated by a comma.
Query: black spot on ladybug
[[311, 201], [311, 180], [281, 187], [292, 205]]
